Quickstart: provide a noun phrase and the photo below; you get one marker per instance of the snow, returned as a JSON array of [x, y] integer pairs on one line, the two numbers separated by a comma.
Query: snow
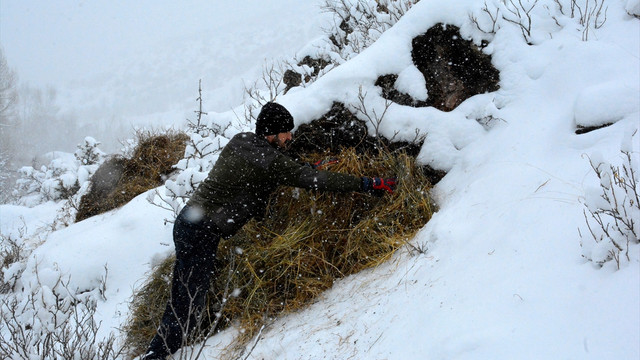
[[118, 246], [633, 7], [503, 276], [594, 104], [412, 82]]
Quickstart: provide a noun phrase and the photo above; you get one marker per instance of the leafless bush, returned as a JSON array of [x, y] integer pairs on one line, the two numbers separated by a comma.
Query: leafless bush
[[198, 126], [359, 23], [492, 14], [269, 86], [66, 214], [12, 253], [520, 15], [203, 143], [515, 12], [420, 248], [49, 322], [612, 217], [590, 14], [373, 117]]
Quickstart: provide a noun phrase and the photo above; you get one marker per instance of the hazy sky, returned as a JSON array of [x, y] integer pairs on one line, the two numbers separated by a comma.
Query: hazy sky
[[138, 63], [52, 41]]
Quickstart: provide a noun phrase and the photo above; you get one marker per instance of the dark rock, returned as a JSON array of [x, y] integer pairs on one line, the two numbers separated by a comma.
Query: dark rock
[[340, 128], [337, 128], [292, 79], [433, 175], [585, 129], [315, 64], [105, 179], [454, 70], [389, 92]]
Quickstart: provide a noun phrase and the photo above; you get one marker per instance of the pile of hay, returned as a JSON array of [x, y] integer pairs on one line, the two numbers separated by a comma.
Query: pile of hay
[[119, 179], [306, 241]]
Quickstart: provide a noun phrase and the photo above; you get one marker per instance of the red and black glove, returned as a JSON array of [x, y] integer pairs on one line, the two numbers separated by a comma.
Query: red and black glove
[[378, 186], [319, 164]]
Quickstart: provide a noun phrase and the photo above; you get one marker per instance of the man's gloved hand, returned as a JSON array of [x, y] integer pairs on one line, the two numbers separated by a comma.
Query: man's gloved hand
[[319, 164], [378, 186]]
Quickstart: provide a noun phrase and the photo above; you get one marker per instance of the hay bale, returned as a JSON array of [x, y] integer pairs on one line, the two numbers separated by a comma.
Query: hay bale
[[306, 241], [120, 179], [103, 182]]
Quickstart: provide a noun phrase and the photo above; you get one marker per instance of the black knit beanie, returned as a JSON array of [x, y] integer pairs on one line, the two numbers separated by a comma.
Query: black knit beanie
[[273, 119]]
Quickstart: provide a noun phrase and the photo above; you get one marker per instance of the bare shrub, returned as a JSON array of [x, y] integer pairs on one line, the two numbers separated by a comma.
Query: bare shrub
[[12, 253], [49, 322], [590, 15], [205, 140], [269, 86], [359, 23], [612, 217], [373, 118]]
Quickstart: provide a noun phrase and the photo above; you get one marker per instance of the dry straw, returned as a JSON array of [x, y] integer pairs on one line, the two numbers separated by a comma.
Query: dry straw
[[306, 241], [120, 179]]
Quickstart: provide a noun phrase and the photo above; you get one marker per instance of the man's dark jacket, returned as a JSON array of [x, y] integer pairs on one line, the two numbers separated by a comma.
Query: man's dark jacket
[[248, 170]]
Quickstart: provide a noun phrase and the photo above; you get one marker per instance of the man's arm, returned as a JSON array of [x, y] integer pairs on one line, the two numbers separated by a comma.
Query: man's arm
[[287, 172]]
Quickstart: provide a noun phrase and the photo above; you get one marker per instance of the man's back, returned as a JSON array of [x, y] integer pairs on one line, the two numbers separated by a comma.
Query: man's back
[[248, 170]]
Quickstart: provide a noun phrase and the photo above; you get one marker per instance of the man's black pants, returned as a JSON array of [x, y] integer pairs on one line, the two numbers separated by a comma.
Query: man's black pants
[[196, 241]]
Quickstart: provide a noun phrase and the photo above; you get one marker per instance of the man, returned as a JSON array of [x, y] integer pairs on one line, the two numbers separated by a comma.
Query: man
[[238, 187]]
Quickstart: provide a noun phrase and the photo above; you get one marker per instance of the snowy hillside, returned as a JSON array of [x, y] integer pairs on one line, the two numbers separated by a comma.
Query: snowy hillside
[[510, 270]]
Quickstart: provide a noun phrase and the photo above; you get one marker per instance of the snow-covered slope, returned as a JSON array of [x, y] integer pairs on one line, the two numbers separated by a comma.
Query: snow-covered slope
[[503, 276]]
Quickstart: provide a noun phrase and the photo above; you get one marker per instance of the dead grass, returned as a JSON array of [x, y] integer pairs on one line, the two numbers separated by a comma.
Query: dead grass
[[149, 304], [306, 241], [120, 179]]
